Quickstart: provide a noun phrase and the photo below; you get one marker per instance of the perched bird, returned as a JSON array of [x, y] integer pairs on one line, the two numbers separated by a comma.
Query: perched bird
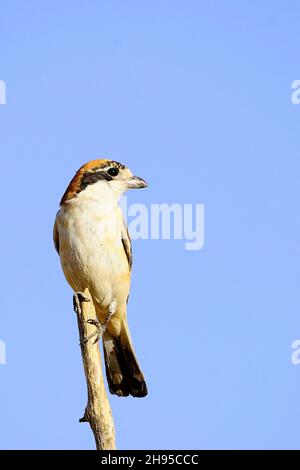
[[94, 246]]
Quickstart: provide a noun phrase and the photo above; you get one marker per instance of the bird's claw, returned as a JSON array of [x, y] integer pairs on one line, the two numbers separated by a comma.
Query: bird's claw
[[91, 321], [100, 327], [79, 297], [98, 333]]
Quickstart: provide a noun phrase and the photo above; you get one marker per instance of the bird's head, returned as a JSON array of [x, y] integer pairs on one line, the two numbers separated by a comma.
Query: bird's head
[[102, 177]]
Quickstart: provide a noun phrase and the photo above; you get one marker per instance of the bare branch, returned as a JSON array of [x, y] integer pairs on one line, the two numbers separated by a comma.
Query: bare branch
[[98, 412]]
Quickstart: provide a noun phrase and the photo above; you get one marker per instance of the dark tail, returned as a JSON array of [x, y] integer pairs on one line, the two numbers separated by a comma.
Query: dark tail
[[123, 373]]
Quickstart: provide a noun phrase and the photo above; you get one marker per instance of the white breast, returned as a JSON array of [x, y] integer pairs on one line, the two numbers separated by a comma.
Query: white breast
[[91, 249]]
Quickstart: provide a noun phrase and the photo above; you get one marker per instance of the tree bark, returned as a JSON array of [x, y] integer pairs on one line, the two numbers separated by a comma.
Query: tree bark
[[98, 412]]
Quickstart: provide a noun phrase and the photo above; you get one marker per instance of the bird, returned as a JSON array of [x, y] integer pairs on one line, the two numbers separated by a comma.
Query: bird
[[94, 246]]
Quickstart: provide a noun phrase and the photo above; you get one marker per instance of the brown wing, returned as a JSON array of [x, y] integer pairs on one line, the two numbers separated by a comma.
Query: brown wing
[[127, 244], [55, 237]]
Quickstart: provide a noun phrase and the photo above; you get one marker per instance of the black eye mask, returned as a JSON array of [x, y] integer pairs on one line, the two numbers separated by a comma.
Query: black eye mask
[[93, 177], [106, 173]]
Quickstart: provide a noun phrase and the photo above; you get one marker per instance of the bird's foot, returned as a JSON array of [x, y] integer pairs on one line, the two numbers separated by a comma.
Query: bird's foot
[[78, 298], [101, 327], [97, 334]]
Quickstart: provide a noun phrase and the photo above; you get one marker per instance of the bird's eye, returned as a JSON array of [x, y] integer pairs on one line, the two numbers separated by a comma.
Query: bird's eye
[[113, 171]]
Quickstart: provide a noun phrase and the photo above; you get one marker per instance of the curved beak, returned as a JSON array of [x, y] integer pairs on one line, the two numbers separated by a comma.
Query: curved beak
[[136, 183]]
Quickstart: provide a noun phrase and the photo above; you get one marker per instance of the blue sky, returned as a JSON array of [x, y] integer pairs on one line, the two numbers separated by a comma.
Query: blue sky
[[195, 97]]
